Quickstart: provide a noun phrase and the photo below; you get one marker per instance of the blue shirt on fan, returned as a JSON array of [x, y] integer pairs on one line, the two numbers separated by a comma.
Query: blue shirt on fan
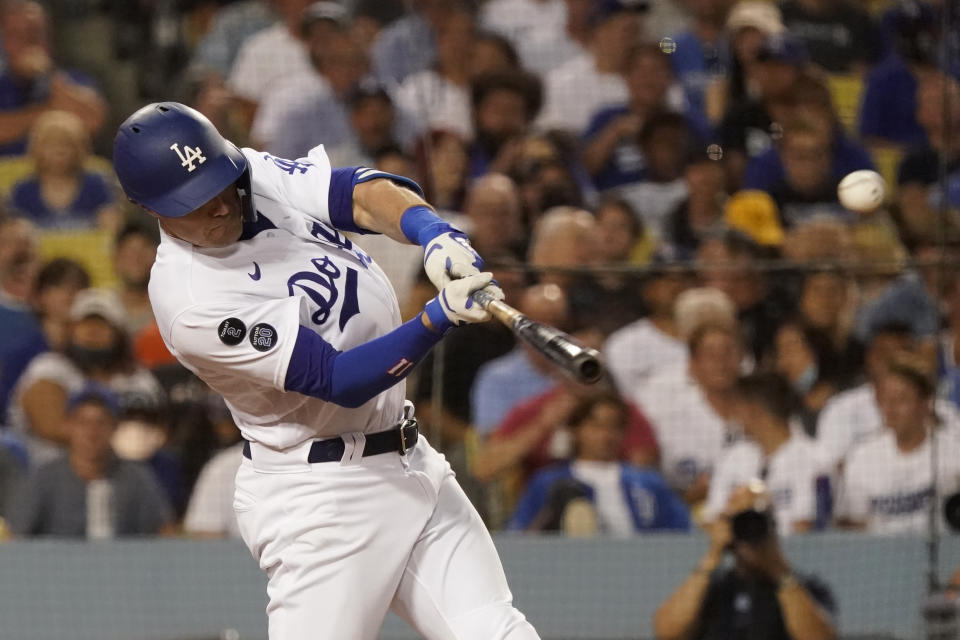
[[94, 193], [16, 94]]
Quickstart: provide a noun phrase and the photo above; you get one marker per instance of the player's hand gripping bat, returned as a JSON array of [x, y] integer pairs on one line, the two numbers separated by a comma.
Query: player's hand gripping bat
[[581, 363]]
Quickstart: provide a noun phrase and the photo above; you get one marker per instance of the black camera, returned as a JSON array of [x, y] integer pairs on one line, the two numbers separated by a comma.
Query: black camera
[[951, 511], [752, 526]]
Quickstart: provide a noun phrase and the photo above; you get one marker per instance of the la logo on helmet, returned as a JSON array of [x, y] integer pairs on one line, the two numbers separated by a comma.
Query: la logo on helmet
[[188, 156]]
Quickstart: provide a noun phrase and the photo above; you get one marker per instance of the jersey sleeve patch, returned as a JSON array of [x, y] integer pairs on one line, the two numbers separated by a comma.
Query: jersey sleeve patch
[[231, 331]]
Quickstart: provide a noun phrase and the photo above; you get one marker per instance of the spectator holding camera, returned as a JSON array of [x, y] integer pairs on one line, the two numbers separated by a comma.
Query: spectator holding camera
[[774, 451], [621, 499], [758, 595]]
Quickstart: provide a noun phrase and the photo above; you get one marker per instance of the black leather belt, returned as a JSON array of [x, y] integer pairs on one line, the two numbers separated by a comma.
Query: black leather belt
[[400, 439]]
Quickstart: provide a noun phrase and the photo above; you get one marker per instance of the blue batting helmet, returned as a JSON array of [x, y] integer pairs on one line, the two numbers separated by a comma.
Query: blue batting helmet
[[172, 160]]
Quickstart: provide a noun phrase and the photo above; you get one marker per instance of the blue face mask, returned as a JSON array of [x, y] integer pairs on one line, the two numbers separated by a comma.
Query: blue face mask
[[807, 379]]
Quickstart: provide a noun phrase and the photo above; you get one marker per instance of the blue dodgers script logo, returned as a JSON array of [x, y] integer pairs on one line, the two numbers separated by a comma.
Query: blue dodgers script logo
[[902, 503], [321, 287], [263, 337]]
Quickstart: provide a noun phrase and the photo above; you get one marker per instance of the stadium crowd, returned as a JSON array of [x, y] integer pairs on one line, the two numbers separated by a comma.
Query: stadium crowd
[[658, 178]]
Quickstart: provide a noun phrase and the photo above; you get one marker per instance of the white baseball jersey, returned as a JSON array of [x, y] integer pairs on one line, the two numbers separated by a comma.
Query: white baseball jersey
[[690, 434], [639, 351], [790, 475], [232, 314], [890, 490], [853, 417]]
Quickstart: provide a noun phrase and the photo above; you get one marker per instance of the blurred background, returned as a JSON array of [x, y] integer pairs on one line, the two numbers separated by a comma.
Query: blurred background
[[775, 452]]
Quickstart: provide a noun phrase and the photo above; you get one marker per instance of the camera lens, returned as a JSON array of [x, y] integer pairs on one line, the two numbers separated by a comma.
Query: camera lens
[[751, 526]]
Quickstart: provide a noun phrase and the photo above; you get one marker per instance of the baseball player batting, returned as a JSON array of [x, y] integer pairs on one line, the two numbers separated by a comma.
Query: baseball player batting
[[347, 508]]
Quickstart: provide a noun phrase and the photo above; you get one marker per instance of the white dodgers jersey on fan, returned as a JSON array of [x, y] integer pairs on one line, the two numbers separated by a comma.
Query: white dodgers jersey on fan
[[231, 315]]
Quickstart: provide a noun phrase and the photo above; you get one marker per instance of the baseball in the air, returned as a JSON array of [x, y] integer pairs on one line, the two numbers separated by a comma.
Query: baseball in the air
[[862, 191]]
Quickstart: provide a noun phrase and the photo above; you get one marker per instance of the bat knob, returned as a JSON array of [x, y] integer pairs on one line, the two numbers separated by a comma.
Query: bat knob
[[588, 366]]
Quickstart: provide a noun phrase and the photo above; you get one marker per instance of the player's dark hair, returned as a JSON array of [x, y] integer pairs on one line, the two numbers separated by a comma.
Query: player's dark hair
[[61, 271], [527, 85], [771, 391], [585, 407]]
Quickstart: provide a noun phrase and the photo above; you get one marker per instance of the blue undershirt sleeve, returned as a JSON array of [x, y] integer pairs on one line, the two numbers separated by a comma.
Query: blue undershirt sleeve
[[351, 378]]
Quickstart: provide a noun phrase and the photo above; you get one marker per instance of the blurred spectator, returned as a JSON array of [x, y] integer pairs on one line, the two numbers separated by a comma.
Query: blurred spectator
[[888, 108], [376, 127], [579, 88], [98, 350], [232, 25], [31, 83], [492, 209], [270, 55], [523, 21], [24, 337], [919, 196], [536, 434], [58, 283], [888, 481], [692, 410], [622, 242], [11, 475], [749, 22], [135, 249], [854, 416], [701, 214], [61, 193], [760, 595], [666, 141], [443, 165], [611, 148], [308, 107], [807, 359], [544, 178], [701, 54], [795, 174], [750, 128], [840, 35], [637, 352], [505, 382], [620, 499], [826, 305], [948, 351], [439, 97], [728, 262], [89, 492], [503, 106], [492, 53], [774, 451], [545, 50], [210, 512], [409, 45]]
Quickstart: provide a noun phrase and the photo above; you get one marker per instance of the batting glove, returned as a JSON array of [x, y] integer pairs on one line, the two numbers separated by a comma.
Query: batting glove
[[454, 307], [449, 256]]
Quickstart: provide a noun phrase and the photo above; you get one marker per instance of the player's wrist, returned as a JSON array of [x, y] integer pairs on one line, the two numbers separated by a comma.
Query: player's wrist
[[435, 318], [420, 224]]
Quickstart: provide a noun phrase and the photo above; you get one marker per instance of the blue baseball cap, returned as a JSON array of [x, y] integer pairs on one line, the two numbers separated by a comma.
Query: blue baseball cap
[[95, 393], [605, 9], [783, 47]]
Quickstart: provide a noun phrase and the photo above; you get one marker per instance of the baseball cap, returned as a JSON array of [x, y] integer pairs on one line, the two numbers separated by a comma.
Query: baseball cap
[[755, 214], [606, 9], [783, 47], [104, 303], [763, 16], [93, 392], [330, 11]]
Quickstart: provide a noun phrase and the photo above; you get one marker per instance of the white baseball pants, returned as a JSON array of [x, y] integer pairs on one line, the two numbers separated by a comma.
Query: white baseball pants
[[344, 542]]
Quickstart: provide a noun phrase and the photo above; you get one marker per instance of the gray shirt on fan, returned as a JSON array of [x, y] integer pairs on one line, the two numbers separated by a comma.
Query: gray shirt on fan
[[55, 501]]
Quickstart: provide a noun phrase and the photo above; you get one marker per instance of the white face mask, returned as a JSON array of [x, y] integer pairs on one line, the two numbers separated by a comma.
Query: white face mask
[[807, 379]]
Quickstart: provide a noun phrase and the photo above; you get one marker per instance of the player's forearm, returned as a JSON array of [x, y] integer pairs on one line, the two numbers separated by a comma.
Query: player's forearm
[[803, 617], [353, 377], [378, 206]]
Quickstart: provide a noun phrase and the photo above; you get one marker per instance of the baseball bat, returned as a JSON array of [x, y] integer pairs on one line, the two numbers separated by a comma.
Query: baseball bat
[[581, 363]]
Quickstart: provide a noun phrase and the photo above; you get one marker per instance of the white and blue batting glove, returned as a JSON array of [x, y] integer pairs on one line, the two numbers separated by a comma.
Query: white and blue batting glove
[[449, 256], [454, 307]]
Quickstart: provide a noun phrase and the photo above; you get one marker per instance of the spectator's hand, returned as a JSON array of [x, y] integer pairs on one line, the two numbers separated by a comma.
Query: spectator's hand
[[82, 101], [721, 534], [509, 156], [32, 63]]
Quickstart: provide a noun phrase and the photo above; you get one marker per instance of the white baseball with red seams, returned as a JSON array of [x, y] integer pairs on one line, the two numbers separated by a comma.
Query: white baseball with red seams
[[341, 542]]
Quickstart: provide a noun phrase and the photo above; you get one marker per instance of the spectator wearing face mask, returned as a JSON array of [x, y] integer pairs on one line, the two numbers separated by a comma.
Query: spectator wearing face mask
[[806, 358], [97, 350]]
